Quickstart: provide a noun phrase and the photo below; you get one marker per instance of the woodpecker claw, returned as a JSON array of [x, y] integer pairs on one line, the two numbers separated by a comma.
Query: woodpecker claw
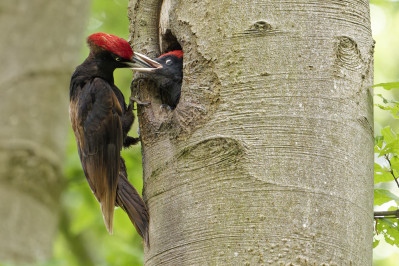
[[137, 101]]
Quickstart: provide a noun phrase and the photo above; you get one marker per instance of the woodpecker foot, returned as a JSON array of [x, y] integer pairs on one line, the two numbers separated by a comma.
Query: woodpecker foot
[[137, 101], [129, 141], [130, 107]]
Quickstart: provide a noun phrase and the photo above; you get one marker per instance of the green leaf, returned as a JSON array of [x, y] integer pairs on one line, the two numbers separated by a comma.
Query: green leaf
[[390, 148], [388, 135], [394, 110], [389, 227], [379, 143], [384, 100], [388, 86], [382, 196], [381, 174], [391, 140], [375, 242], [383, 107], [395, 162], [379, 139]]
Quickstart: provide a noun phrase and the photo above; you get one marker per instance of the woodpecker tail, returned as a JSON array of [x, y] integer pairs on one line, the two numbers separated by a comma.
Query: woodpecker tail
[[130, 201]]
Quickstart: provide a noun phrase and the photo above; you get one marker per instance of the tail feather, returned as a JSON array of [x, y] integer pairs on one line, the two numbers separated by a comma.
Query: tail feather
[[108, 215], [130, 201]]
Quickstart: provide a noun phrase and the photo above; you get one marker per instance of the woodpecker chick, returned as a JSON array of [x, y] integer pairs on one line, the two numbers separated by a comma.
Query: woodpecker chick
[[101, 120], [167, 77]]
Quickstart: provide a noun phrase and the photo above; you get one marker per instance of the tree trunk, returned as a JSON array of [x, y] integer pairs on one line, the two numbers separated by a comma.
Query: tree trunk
[[268, 157], [40, 45]]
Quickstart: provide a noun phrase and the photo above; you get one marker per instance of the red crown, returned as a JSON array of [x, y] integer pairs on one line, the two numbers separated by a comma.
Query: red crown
[[177, 53], [112, 43]]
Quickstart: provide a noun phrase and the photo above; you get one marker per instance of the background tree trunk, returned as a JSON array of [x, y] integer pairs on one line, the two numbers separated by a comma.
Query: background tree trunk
[[268, 158], [40, 45]]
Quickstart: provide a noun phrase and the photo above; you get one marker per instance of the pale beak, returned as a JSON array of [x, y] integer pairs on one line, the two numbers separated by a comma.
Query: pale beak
[[142, 60]]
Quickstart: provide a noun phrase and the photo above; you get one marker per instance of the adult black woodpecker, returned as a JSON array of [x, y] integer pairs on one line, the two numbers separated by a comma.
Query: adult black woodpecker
[[101, 120], [167, 78]]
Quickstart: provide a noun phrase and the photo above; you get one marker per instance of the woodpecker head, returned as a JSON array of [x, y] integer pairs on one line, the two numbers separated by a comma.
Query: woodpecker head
[[171, 67], [116, 52], [168, 77]]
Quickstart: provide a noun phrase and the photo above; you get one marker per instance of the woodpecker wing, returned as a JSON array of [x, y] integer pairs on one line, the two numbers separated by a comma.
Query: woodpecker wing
[[96, 121]]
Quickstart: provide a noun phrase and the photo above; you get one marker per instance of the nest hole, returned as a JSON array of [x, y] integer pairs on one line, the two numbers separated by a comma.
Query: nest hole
[[169, 42]]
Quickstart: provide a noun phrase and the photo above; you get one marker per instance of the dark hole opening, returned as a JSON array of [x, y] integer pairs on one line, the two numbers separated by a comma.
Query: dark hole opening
[[169, 42]]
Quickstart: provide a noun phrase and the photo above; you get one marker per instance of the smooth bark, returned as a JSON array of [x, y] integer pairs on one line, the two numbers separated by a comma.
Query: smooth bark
[[268, 158]]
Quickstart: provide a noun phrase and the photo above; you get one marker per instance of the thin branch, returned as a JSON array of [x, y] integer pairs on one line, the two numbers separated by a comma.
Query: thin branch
[[386, 214], [390, 169]]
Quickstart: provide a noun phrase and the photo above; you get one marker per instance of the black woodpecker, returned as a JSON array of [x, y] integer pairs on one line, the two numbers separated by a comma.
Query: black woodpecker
[[167, 78], [101, 120]]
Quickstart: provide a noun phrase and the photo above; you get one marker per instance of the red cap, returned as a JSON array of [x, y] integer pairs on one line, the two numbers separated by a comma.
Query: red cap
[[112, 43], [177, 53]]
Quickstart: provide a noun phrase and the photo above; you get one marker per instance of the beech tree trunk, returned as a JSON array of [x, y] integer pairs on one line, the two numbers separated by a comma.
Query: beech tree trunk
[[268, 157], [40, 44]]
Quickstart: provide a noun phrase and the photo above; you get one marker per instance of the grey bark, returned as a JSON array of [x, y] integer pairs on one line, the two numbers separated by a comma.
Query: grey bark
[[40, 45], [268, 158]]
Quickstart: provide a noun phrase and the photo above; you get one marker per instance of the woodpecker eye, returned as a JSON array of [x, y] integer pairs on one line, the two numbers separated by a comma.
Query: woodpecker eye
[[168, 62], [118, 59]]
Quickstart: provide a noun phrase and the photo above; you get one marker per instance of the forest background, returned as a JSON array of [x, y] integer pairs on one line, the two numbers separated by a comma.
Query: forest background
[[81, 222]]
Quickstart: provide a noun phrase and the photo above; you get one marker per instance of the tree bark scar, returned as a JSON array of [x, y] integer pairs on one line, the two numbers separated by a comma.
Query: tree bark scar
[[350, 64], [364, 122], [257, 29], [348, 54], [214, 151]]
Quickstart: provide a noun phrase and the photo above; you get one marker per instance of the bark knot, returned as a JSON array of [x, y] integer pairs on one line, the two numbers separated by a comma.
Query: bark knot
[[348, 54]]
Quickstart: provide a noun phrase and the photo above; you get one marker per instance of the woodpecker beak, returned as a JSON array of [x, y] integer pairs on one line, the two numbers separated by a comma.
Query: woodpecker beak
[[142, 60]]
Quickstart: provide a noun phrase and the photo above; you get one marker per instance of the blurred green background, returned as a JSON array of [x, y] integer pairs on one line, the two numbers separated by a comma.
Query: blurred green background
[[385, 28], [83, 239]]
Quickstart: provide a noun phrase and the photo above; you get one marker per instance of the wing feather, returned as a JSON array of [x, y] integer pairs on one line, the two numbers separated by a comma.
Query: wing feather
[[96, 120]]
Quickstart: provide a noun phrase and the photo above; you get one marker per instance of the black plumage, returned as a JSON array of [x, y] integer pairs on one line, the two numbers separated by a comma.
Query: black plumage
[[101, 122]]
